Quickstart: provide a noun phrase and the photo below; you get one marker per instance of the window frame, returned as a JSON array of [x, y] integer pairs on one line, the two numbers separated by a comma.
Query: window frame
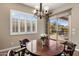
[[25, 24]]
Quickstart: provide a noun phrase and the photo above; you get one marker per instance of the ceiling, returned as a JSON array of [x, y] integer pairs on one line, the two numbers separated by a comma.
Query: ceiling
[[50, 5]]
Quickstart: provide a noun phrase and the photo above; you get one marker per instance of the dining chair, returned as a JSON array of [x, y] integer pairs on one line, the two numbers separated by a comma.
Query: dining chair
[[23, 43], [69, 48], [16, 52], [11, 53]]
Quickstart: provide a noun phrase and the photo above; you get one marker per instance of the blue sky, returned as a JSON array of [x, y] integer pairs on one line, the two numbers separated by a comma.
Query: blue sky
[[60, 21], [23, 16]]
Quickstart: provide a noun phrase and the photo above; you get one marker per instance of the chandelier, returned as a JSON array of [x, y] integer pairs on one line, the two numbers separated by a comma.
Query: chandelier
[[40, 11]]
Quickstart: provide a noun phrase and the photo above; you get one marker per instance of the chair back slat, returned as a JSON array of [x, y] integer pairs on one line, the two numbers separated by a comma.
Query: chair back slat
[[69, 48]]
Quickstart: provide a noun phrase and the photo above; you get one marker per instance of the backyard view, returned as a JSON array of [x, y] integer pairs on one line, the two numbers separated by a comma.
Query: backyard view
[[58, 28]]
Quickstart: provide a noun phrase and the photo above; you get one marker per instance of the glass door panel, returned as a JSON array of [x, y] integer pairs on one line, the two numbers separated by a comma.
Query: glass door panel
[[52, 28], [58, 28], [63, 30]]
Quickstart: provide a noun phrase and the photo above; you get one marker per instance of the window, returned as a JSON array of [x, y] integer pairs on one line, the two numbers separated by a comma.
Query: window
[[22, 23]]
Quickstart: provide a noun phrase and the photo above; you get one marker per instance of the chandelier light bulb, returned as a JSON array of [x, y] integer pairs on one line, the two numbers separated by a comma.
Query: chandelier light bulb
[[46, 8], [37, 7], [34, 11]]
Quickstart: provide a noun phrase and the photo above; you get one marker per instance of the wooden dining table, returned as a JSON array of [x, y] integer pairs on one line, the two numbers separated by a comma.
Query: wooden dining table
[[54, 48]]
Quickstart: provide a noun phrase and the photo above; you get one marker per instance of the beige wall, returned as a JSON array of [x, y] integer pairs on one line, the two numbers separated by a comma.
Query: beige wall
[[7, 40], [74, 20]]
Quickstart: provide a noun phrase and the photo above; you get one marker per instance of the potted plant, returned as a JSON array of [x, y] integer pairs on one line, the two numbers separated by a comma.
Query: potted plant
[[43, 38]]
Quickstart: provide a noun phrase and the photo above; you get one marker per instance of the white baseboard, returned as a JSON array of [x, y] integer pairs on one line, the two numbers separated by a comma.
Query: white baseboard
[[18, 47], [9, 48]]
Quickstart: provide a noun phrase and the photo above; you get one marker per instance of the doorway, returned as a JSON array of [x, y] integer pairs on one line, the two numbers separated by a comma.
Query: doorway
[[59, 28]]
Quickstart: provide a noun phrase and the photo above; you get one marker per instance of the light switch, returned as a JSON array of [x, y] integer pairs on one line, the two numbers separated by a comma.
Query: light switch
[[73, 31]]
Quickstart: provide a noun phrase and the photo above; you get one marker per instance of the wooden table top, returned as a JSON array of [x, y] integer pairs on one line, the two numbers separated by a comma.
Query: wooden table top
[[36, 47]]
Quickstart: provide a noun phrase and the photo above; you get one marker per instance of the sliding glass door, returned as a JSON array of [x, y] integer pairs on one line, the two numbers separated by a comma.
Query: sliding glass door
[[58, 28]]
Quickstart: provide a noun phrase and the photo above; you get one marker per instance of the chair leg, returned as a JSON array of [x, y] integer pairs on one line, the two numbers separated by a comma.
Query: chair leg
[[71, 53], [18, 53], [23, 52]]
